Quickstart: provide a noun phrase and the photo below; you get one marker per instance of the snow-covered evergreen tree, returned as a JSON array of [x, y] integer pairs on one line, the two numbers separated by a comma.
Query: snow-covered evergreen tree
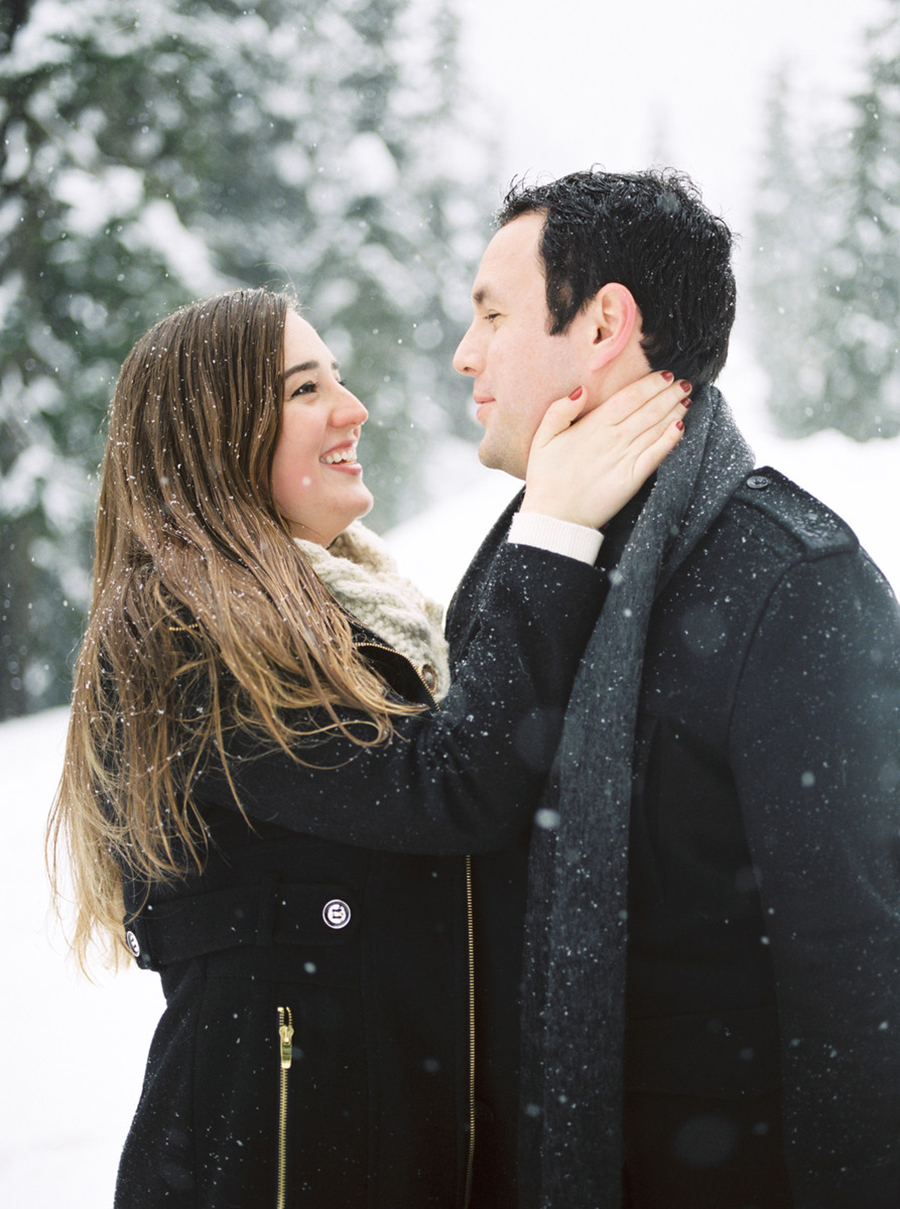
[[154, 151], [826, 282], [863, 371], [792, 226]]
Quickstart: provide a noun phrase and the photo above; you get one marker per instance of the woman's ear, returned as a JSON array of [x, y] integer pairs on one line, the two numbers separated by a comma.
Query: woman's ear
[[613, 320]]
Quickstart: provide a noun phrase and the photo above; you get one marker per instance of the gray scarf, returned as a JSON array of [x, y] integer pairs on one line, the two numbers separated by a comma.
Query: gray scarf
[[576, 923]]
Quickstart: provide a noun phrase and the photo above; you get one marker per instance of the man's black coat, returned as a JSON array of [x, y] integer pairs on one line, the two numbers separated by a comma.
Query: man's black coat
[[762, 1051]]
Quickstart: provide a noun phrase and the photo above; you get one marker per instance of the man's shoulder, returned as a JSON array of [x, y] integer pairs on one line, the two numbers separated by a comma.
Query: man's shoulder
[[769, 527], [771, 509]]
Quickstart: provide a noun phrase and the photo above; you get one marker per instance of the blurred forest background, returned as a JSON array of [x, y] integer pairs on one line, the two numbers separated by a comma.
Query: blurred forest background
[[155, 151]]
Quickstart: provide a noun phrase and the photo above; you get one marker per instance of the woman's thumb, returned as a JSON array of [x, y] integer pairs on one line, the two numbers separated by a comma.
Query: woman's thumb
[[559, 416]]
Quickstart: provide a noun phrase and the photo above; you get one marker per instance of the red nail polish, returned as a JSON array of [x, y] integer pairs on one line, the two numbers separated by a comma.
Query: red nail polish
[[686, 402], [685, 386], [679, 425], [576, 393], [668, 376]]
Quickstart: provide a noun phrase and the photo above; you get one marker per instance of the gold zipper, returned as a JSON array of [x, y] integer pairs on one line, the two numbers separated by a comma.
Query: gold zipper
[[383, 646], [471, 938], [285, 1035]]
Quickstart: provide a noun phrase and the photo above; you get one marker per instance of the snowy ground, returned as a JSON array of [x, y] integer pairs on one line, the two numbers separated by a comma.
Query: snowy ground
[[73, 1052]]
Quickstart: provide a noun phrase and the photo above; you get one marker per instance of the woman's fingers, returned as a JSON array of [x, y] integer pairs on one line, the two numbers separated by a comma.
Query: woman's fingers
[[635, 408], [649, 396], [558, 417], [660, 441], [585, 469]]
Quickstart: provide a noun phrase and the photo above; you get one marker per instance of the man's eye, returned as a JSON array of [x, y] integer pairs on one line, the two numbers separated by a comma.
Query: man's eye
[[491, 316]]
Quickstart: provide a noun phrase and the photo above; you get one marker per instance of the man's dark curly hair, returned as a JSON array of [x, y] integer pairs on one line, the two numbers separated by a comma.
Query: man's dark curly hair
[[650, 232]]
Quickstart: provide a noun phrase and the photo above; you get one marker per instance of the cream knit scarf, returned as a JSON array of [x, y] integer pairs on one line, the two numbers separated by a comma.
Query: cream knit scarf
[[361, 574]]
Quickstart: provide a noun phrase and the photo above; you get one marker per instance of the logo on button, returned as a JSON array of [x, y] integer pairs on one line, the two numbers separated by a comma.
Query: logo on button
[[132, 941], [336, 913]]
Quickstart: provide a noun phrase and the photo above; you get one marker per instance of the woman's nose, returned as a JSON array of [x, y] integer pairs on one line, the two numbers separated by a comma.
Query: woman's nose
[[349, 413]]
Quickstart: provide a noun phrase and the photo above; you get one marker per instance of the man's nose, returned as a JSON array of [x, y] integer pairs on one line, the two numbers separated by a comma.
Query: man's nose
[[467, 359]]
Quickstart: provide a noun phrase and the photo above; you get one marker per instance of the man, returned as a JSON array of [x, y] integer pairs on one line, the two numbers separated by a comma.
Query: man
[[709, 983]]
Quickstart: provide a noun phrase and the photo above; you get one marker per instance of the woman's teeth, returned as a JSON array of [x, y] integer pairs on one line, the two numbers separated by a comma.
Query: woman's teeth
[[340, 455]]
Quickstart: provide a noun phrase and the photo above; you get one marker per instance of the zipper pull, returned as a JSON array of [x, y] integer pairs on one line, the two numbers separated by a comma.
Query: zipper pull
[[286, 1033]]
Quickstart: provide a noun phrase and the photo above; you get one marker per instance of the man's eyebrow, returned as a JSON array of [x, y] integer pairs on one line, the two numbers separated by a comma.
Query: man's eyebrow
[[481, 295]]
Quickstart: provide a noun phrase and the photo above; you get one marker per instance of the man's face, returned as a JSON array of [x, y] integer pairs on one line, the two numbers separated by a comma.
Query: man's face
[[518, 368]]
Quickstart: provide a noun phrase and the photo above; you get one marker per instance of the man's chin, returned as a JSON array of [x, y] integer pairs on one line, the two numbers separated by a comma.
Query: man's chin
[[498, 459]]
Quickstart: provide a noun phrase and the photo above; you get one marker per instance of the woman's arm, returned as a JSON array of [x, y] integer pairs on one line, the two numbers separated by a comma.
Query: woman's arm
[[462, 778]]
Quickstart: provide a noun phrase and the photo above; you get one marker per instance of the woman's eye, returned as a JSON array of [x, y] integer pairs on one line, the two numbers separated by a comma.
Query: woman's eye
[[305, 388]]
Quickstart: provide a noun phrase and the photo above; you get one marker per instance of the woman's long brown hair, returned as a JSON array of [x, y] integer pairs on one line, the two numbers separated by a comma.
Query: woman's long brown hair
[[205, 614]]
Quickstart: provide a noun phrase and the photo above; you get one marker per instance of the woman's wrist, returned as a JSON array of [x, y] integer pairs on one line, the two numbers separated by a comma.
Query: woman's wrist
[[558, 536]]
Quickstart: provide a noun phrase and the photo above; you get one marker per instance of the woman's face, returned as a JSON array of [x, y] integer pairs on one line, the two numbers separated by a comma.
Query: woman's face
[[316, 481]]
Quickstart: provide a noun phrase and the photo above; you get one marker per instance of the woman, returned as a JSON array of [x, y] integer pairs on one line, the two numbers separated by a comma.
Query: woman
[[259, 781]]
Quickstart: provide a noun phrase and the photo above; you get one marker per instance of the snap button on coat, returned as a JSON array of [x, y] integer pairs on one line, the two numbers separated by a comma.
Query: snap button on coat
[[336, 913]]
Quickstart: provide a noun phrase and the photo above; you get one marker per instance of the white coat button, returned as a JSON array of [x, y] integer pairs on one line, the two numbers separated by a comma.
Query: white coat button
[[132, 941], [336, 913]]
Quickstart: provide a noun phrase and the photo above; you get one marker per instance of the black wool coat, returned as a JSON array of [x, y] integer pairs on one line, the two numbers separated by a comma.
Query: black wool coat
[[345, 900], [762, 1046]]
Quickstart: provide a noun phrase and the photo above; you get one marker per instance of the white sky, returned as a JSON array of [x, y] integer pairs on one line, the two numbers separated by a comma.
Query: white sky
[[569, 82]]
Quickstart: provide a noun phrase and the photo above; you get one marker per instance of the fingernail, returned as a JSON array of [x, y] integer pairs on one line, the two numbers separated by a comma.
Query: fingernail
[[678, 424], [686, 402], [685, 386], [576, 393], [668, 376]]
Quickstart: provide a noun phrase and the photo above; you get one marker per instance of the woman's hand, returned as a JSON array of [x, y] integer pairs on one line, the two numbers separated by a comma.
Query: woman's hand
[[585, 467]]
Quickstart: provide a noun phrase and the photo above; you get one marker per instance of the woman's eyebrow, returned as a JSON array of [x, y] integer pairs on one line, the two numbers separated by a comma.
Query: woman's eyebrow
[[300, 369], [305, 368]]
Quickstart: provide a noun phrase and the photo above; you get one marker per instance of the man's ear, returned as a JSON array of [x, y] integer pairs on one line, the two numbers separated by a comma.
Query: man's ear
[[612, 319]]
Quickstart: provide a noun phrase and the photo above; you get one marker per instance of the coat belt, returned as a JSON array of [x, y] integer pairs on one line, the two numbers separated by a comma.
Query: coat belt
[[268, 913]]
